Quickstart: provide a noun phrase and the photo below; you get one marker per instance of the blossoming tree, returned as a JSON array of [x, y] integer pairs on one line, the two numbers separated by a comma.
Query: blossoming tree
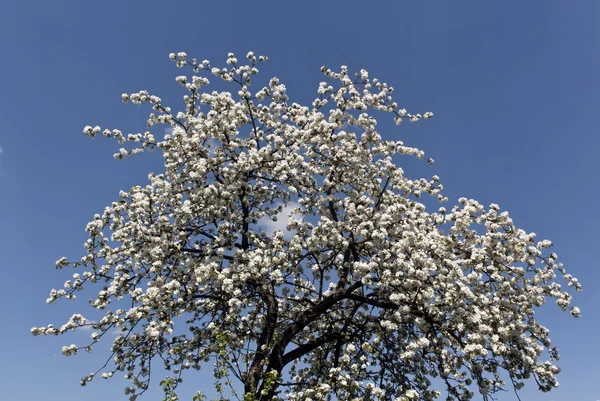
[[366, 296]]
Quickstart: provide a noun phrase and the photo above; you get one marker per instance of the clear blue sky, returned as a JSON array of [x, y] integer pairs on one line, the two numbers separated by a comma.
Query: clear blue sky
[[514, 87]]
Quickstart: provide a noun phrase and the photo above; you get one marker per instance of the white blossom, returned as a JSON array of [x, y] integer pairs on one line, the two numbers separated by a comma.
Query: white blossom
[[283, 237]]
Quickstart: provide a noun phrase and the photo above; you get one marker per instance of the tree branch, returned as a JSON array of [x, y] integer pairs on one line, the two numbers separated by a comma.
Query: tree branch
[[308, 316], [373, 302]]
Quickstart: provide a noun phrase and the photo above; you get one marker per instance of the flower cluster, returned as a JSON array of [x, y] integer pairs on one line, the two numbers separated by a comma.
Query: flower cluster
[[369, 297]]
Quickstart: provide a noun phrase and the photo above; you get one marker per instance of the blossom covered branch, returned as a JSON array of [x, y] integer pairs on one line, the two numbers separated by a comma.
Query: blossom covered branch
[[368, 296]]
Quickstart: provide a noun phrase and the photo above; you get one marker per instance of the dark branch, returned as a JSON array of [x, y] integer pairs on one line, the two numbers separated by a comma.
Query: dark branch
[[373, 302]]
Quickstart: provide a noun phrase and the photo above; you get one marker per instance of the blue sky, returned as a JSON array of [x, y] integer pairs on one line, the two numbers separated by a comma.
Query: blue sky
[[514, 88]]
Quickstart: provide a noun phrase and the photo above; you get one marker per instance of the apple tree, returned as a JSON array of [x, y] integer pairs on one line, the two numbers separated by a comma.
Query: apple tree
[[364, 295]]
